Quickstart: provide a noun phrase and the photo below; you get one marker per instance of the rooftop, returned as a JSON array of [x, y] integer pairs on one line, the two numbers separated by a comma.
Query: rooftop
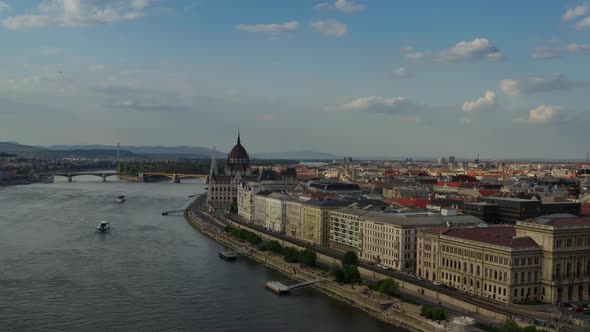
[[504, 236], [561, 219]]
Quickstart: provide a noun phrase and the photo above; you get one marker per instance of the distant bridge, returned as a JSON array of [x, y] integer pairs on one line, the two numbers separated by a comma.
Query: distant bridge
[[71, 175], [175, 177]]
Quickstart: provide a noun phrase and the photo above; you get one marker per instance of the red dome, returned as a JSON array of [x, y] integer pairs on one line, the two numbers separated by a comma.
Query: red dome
[[238, 159]]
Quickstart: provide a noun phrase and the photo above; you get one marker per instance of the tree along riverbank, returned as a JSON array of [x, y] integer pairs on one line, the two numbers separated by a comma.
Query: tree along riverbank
[[381, 306]]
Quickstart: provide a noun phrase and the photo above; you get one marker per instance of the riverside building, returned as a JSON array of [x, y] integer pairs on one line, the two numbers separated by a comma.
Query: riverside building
[[546, 258]]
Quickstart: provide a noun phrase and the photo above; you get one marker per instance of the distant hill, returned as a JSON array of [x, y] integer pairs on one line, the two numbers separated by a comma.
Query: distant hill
[[90, 153], [300, 155], [14, 147], [169, 151]]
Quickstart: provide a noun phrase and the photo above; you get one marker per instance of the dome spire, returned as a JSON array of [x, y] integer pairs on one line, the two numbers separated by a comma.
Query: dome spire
[[239, 136]]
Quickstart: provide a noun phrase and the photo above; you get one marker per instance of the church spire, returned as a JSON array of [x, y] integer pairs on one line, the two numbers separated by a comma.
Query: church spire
[[213, 170]]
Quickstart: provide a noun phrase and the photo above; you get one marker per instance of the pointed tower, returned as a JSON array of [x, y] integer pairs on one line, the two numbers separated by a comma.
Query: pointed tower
[[213, 170]]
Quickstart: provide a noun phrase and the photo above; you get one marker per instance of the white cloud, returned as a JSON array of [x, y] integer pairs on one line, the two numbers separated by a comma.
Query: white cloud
[[542, 114], [530, 85], [479, 48], [578, 48], [572, 13], [541, 53], [348, 6], [273, 28], [330, 28], [393, 105], [419, 55], [68, 13], [3, 6], [345, 6], [488, 101], [583, 24], [401, 72]]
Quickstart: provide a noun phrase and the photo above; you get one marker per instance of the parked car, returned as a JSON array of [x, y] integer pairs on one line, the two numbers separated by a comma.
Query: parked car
[[436, 283], [565, 305], [578, 310]]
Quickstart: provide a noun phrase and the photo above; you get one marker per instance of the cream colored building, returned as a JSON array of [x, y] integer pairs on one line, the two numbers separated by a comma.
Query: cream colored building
[[545, 258], [479, 260], [276, 213], [294, 214], [344, 229], [247, 190], [389, 239], [565, 240], [316, 219]]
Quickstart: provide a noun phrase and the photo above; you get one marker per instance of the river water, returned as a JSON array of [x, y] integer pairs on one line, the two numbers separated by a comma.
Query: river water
[[150, 273]]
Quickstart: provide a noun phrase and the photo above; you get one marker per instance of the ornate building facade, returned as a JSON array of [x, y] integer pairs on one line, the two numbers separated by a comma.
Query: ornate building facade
[[223, 186]]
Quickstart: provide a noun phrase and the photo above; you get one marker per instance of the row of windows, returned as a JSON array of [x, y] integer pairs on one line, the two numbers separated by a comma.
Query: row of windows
[[566, 242], [523, 261], [530, 277], [461, 251]]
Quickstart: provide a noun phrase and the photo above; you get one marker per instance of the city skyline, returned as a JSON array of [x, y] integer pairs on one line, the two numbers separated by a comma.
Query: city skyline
[[360, 78]]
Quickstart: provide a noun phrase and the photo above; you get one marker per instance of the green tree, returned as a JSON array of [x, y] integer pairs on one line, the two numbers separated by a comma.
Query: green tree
[[307, 257], [509, 326], [233, 208], [338, 273], [530, 328], [350, 258], [426, 311], [439, 314], [351, 274], [388, 286]]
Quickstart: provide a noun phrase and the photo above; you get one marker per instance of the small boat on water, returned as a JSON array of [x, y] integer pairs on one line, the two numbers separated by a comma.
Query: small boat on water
[[228, 255], [121, 199], [104, 226]]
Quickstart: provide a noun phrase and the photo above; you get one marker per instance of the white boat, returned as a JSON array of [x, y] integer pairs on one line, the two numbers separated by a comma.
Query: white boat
[[121, 199], [104, 226]]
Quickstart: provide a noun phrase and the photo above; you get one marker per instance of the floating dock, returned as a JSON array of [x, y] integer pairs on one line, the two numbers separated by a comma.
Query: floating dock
[[282, 289], [278, 288]]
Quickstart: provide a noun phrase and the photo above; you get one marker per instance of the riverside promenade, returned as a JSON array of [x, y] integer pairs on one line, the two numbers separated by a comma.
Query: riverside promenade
[[381, 306]]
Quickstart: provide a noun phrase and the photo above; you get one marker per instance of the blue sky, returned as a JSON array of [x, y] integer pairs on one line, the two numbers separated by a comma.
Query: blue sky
[[353, 77]]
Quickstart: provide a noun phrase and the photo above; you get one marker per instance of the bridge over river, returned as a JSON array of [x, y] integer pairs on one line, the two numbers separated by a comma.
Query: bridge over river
[[144, 176]]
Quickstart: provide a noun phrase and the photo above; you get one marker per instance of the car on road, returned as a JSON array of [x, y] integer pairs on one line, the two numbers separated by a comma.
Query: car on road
[[565, 305], [436, 283], [578, 310]]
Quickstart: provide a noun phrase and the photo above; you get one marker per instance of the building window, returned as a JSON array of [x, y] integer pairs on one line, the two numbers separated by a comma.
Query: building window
[[515, 277], [516, 292]]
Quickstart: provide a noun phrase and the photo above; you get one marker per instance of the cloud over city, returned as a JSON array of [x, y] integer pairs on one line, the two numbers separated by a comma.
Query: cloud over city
[[345, 6], [537, 84], [487, 102], [72, 13]]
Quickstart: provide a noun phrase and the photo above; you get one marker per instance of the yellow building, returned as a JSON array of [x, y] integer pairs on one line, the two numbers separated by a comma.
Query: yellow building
[[546, 259], [316, 219], [565, 240], [479, 260]]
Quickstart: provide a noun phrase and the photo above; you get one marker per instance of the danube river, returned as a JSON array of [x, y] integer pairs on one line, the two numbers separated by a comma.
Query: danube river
[[150, 273]]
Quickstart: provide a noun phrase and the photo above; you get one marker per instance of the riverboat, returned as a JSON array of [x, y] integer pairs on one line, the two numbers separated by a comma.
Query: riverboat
[[228, 255], [104, 226], [121, 199]]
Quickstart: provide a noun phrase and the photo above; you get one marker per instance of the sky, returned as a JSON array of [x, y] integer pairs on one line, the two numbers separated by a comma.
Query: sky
[[505, 79]]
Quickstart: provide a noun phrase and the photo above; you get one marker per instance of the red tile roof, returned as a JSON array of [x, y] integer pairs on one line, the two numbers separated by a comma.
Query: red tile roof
[[489, 192], [499, 235], [416, 201]]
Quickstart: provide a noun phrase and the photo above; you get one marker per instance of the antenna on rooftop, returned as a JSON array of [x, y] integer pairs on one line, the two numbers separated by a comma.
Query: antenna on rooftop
[[118, 151]]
